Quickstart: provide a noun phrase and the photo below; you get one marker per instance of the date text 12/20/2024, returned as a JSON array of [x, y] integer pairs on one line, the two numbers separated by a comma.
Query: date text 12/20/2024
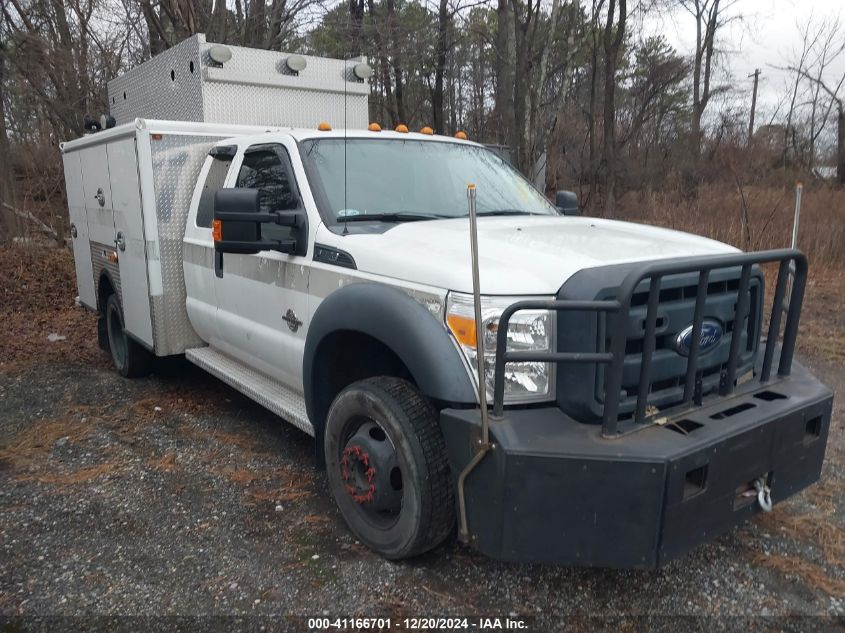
[[418, 624]]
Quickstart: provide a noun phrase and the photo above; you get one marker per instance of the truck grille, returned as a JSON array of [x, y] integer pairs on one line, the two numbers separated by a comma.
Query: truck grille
[[601, 376], [675, 312], [592, 302]]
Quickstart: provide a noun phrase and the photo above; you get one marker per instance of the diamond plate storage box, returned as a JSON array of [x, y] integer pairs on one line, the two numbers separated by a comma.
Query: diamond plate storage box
[[129, 194], [252, 87], [130, 187]]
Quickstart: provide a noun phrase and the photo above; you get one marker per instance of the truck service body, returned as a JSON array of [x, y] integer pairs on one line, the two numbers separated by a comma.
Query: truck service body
[[639, 405]]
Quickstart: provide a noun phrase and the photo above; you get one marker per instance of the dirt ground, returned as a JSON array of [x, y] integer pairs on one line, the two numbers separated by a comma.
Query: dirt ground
[[174, 495]]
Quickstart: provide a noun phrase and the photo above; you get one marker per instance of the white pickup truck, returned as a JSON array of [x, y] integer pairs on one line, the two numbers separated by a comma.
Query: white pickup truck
[[327, 275]]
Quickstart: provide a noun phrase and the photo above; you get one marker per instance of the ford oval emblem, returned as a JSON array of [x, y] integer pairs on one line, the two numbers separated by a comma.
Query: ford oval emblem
[[711, 334]]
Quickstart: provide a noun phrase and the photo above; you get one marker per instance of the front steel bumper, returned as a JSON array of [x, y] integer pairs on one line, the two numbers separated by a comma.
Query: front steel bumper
[[553, 490]]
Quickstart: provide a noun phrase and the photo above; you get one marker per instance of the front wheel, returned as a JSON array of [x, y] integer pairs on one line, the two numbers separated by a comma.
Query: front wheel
[[387, 467]]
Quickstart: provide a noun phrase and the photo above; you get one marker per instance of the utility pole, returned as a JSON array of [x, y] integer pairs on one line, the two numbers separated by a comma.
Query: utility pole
[[756, 75]]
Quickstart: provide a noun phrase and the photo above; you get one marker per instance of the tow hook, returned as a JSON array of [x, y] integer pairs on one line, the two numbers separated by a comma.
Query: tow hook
[[764, 494]]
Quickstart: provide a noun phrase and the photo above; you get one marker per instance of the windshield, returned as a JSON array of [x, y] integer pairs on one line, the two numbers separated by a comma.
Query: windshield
[[413, 179]]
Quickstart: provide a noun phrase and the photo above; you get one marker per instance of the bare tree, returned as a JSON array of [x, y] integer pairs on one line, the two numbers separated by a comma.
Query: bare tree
[[710, 16], [808, 42], [832, 92], [8, 222], [614, 36]]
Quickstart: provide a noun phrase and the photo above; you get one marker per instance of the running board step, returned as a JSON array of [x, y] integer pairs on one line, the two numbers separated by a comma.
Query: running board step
[[267, 392]]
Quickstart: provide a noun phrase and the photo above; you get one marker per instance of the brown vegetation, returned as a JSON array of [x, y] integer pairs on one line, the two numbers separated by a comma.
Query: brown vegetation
[[793, 566], [37, 440], [719, 212], [37, 290]]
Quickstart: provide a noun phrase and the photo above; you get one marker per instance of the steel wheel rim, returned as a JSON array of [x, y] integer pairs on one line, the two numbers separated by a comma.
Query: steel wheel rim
[[371, 476]]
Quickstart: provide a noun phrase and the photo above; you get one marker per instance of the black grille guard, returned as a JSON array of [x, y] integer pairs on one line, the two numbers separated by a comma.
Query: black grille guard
[[792, 264]]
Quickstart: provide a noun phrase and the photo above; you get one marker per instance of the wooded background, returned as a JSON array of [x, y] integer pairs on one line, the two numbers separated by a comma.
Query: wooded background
[[636, 127]]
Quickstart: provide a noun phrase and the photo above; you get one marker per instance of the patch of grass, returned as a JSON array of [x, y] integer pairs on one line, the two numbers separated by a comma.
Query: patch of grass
[[810, 573], [39, 438], [284, 494], [240, 476], [224, 439], [80, 476], [165, 463], [819, 527]]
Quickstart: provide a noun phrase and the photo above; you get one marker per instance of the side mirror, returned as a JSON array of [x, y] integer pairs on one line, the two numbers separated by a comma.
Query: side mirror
[[237, 226], [567, 202]]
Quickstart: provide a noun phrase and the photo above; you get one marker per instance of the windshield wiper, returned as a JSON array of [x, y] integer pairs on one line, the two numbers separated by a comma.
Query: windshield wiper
[[507, 212], [400, 216]]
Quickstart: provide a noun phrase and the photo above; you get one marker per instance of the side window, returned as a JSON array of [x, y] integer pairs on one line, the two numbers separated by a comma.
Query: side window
[[263, 169], [213, 182]]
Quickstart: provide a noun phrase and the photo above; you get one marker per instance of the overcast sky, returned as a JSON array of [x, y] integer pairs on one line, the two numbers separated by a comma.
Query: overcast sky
[[769, 36]]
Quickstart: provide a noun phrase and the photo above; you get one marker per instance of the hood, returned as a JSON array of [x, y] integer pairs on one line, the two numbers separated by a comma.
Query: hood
[[518, 255]]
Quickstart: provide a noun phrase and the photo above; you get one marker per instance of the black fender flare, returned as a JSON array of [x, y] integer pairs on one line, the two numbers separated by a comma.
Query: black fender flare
[[400, 323]]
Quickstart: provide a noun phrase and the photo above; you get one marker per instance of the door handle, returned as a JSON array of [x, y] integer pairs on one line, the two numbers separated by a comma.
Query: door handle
[[120, 241], [100, 197]]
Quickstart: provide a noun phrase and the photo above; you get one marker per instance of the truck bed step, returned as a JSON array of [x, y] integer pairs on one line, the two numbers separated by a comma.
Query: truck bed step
[[266, 391]]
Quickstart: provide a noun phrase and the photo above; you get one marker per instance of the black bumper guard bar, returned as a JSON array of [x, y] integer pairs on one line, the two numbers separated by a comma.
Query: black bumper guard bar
[[793, 264]]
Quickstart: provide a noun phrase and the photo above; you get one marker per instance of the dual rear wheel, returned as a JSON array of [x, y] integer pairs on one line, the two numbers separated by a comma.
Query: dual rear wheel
[[130, 358]]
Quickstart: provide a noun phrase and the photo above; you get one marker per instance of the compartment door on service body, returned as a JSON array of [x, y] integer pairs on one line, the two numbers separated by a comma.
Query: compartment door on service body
[[129, 238], [98, 202], [79, 230], [262, 299]]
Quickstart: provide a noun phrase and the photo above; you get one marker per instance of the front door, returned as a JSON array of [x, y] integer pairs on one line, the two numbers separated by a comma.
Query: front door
[[262, 299]]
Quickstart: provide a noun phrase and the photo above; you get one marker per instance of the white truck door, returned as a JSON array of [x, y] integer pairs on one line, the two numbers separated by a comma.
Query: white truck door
[[129, 238], [262, 299], [79, 230], [198, 247], [97, 190]]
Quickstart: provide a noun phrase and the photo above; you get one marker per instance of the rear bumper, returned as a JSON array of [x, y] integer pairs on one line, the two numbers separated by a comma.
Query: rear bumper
[[554, 491]]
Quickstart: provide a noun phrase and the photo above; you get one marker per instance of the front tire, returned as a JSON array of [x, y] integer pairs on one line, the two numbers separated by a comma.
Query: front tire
[[387, 467], [130, 359]]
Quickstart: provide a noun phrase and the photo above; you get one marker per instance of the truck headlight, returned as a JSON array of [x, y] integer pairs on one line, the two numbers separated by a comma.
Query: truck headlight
[[528, 330]]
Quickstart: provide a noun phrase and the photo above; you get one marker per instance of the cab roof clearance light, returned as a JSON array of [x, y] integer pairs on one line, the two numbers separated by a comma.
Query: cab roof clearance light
[[324, 127]]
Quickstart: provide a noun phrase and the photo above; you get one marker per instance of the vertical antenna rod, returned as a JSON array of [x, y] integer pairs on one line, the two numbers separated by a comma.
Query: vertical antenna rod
[[479, 327], [345, 204], [484, 443]]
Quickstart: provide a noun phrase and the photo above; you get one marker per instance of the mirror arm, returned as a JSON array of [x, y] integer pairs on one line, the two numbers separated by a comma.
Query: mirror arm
[[293, 218]]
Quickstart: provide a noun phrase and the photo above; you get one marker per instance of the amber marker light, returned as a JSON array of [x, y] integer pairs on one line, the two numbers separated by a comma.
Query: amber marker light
[[461, 135], [463, 328], [426, 130], [217, 231], [324, 127], [374, 127], [402, 128]]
